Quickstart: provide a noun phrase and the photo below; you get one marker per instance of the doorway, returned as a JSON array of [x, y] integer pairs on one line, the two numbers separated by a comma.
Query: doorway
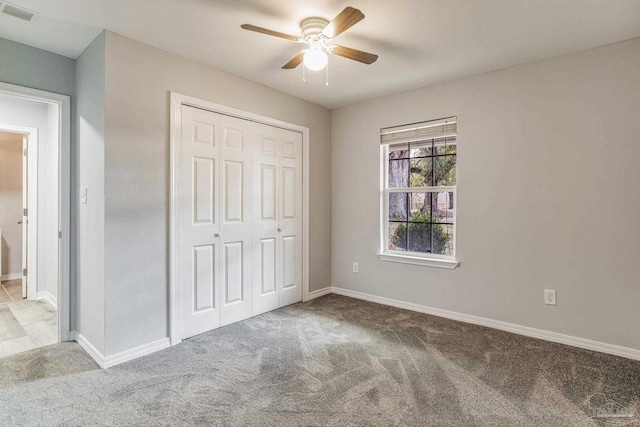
[[18, 194], [34, 217], [239, 215]]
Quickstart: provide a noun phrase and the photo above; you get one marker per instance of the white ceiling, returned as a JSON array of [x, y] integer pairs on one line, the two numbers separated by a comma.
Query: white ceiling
[[420, 42]]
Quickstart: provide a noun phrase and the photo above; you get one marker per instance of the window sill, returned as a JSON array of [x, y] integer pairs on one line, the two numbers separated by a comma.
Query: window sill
[[449, 264]]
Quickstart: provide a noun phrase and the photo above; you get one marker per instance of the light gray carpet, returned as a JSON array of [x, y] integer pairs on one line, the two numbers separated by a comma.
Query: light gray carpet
[[332, 361]]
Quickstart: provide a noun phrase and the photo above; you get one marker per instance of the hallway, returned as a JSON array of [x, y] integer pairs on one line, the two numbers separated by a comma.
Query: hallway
[[24, 324]]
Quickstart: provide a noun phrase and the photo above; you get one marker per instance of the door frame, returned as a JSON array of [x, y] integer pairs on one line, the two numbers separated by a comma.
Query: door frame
[[64, 194], [175, 136]]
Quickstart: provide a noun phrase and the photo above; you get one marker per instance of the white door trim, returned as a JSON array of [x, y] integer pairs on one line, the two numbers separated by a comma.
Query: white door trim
[[32, 214], [175, 119], [25, 203], [64, 194]]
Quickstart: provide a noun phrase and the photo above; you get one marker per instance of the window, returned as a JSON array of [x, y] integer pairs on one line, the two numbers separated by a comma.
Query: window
[[419, 192]]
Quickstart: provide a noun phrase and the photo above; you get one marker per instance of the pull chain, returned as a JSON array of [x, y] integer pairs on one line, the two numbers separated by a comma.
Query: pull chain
[[327, 75], [304, 71]]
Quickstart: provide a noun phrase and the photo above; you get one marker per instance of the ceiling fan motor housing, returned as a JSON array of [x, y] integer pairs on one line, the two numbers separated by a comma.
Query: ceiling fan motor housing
[[312, 28]]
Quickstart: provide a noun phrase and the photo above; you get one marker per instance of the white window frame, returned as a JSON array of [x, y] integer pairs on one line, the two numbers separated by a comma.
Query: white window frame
[[406, 257]]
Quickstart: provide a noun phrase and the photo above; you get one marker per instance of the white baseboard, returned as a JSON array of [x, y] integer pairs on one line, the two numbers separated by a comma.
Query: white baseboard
[[10, 276], [90, 349], [46, 295], [137, 352], [109, 361], [616, 350], [319, 293]]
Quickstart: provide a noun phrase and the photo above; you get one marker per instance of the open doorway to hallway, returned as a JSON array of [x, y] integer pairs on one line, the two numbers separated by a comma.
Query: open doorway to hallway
[[29, 224]]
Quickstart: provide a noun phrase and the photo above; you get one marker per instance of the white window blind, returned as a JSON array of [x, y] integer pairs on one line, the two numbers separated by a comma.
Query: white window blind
[[433, 129]]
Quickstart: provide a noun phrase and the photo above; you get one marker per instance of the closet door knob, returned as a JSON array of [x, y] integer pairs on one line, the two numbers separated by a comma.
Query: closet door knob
[[19, 221], [279, 229], [216, 235]]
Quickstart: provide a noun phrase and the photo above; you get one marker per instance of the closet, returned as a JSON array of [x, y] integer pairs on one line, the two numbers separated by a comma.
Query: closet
[[239, 219]]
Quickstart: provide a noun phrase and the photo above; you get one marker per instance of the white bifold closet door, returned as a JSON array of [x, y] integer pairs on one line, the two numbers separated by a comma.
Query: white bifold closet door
[[235, 227], [240, 219], [199, 221], [277, 213]]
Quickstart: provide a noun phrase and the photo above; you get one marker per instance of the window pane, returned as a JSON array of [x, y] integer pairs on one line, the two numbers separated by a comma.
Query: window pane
[[442, 207], [398, 151], [398, 236], [422, 149], [422, 222], [420, 207], [445, 146], [421, 172], [445, 170], [398, 173], [443, 239], [419, 237], [398, 206]]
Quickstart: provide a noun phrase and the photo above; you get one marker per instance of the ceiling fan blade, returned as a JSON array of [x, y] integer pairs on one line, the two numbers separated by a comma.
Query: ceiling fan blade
[[295, 61], [346, 19], [356, 55], [269, 32]]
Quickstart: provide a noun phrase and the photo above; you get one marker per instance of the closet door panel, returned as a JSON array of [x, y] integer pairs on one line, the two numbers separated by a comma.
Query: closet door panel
[[265, 221], [267, 260], [199, 222], [233, 268], [290, 217], [236, 155]]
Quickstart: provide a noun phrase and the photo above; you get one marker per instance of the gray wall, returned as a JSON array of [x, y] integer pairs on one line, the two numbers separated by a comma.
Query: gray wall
[[89, 319], [30, 67], [548, 195], [138, 81]]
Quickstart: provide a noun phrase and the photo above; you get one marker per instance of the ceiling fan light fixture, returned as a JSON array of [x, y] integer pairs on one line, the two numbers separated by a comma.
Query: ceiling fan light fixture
[[315, 59], [316, 32]]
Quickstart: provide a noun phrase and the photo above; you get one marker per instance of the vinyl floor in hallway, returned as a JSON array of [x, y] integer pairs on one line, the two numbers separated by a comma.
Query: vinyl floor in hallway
[[332, 361], [24, 324]]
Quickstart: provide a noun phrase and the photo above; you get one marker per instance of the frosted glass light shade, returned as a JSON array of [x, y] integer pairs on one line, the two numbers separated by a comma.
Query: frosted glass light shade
[[315, 59]]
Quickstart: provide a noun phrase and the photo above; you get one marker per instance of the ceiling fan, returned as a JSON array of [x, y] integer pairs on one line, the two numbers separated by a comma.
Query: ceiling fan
[[317, 34]]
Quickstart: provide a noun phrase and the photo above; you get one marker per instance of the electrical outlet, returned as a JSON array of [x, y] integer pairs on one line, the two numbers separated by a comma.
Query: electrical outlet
[[355, 267], [83, 196], [550, 297]]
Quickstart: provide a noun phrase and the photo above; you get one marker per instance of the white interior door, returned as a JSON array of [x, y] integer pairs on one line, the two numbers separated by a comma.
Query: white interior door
[[277, 219], [235, 236], [24, 221], [266, 268], [199, 223], [290, 217]]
